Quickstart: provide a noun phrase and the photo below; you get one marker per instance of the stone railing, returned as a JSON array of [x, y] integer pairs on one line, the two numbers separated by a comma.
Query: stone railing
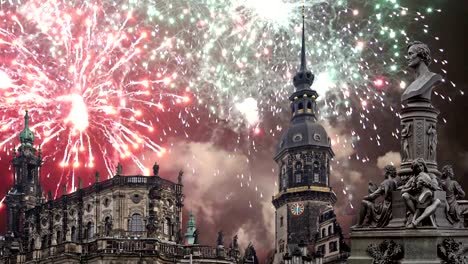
[[149, 246]]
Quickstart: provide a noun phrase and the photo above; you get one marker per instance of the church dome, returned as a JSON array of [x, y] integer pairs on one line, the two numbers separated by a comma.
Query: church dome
[[303, 132]]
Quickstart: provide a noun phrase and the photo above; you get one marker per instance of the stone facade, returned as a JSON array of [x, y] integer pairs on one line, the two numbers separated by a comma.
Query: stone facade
[[125, 219]]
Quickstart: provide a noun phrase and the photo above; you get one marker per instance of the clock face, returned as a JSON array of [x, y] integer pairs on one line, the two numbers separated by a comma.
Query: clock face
[[297, 208]]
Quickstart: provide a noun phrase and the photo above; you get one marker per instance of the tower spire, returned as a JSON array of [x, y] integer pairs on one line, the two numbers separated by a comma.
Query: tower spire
[[26, 136], [303, 56], [303, 78]]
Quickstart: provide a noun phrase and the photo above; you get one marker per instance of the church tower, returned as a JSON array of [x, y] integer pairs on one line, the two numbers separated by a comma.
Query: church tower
[[303, 157], [26, 192]]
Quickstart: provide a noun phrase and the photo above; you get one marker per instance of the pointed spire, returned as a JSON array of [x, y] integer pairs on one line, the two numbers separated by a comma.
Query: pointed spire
[[26, 136], [304, 78], [303, 55]]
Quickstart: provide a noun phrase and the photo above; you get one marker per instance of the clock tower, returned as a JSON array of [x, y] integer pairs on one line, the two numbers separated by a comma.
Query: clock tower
[[303, 156]]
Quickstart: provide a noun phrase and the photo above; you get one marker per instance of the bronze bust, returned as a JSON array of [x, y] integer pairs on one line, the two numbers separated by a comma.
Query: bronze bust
[[419, 58]]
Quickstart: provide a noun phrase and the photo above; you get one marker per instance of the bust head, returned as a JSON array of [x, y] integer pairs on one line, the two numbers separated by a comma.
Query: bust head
[[390, 171], [447, 172], [418, 52], [418, 166], [424, 180]]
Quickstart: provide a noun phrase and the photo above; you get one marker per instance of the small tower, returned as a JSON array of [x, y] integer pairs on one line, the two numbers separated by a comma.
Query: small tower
[[303, 155], [27, 191], [189, 235]]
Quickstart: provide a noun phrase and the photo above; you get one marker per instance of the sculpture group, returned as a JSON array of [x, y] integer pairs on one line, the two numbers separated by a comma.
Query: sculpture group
[[418, 185], [417, 196]]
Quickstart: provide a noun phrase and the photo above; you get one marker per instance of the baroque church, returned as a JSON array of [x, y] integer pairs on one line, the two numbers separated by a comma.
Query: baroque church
[[138, 219], [125, 219]]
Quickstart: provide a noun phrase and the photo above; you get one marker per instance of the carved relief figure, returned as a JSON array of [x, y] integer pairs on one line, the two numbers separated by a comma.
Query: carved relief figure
[[453, 192], [419, 58], [379, 214], [450, 251], [432, 142], [418, 195], [387, 252], [406, 134]]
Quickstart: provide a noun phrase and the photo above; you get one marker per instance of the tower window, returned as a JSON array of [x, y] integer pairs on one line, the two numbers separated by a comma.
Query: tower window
[[300, 108], [333, 246], [281, 221], [309, 107], [316, 172], [298, 178]]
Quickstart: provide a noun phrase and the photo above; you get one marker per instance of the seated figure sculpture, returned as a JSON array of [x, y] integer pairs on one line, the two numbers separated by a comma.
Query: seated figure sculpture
[[418, 195], [453, 191], [379, 214]]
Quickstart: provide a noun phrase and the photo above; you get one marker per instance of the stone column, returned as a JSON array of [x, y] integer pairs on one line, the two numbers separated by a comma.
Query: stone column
[[418, 135]]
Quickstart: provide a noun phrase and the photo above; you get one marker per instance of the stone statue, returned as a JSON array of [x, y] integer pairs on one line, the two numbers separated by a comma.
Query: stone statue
[[406, 133], [156, 169], [108, 225], [220, 239], [419, 58], [179, 177], [453, 192], [379, 214], [152, 225], [235, 244], [195, 237], [418, 195], [119, 169], [432, 142], [250, 255]]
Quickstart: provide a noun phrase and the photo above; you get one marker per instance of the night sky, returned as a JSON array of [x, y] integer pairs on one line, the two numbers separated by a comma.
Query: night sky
[[230, 173]]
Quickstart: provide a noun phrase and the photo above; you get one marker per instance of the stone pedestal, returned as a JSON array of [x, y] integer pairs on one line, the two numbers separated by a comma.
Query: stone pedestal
[[419, 245], [418, 136]]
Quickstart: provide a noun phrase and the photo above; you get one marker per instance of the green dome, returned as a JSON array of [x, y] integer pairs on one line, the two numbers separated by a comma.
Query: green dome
[[26, 136]]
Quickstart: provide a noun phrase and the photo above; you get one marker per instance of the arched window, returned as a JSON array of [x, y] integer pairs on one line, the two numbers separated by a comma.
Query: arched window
[[59, 237], [44, 242], [309, 107], [136, 223], [300, 108], [89, 230], [330, 230], [324, 232], [74, 238]]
